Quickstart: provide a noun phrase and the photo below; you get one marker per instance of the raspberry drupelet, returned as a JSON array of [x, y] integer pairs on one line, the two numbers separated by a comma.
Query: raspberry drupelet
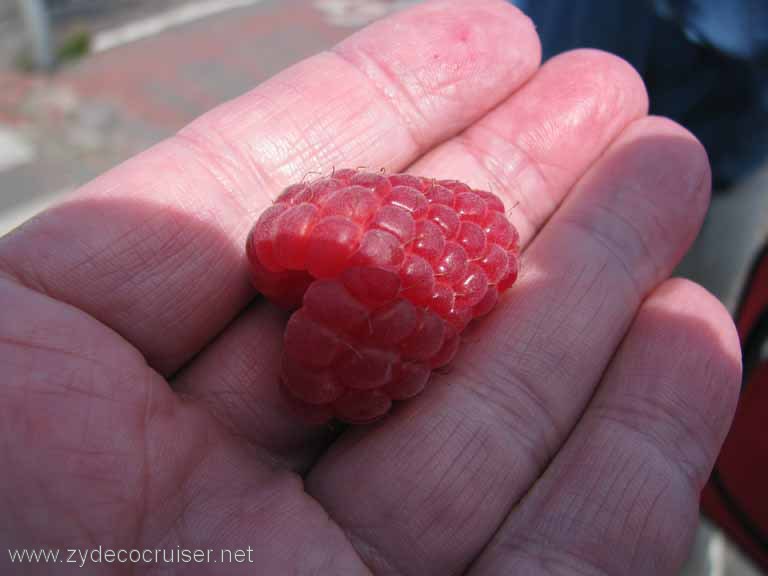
[[384, 272]]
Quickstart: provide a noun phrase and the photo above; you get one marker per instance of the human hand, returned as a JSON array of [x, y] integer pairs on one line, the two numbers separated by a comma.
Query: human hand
[[139, 402]]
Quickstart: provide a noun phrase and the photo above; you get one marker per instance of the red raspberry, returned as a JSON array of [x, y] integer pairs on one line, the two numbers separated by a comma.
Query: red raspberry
[[386, 272]]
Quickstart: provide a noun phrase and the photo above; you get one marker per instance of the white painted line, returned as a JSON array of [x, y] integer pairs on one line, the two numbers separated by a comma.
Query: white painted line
[[15, 150], [356, 13], [155, 24], [716, 554]]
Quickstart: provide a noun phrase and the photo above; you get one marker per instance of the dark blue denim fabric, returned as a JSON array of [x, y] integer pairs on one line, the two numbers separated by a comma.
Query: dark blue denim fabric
[[705, 63]]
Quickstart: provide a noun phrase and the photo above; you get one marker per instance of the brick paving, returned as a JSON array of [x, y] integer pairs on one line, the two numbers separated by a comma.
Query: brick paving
[[93, 113], [202, 63]]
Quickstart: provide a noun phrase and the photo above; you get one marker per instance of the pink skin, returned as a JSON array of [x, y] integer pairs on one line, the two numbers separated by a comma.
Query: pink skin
[[138, 402]]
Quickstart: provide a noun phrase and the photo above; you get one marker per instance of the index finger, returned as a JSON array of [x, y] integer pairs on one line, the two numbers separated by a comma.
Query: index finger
[[154, 248]]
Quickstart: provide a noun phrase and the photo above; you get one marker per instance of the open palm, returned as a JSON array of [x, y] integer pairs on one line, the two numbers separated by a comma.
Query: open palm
[[138, 398]]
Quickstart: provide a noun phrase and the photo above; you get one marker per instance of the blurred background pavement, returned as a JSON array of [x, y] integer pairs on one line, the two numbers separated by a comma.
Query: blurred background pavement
[[59, 130]]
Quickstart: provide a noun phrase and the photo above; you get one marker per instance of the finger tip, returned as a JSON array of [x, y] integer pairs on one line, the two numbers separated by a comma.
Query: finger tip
[[485, 28], [697, 317], [621, 87], [684, 158], [688, 298], [520, 28]]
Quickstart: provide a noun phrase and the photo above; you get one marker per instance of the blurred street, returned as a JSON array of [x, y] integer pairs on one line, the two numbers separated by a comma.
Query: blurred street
[[58, 131]]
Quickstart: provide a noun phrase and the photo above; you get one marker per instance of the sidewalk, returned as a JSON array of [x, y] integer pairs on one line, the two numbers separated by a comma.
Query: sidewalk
[[57, 132]]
